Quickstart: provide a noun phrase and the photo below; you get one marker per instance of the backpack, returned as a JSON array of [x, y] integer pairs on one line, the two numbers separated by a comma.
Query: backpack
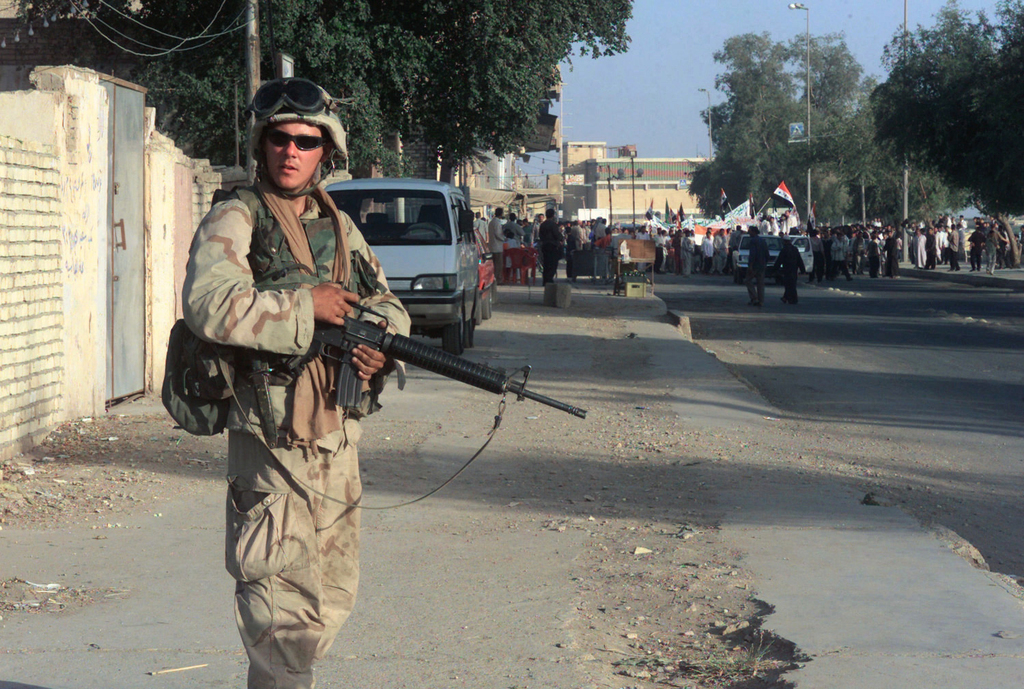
[[198, 374], [197, 382]]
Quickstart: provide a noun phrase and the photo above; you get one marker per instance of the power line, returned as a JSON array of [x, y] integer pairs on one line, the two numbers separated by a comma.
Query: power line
[[155, 30], [161, 52]]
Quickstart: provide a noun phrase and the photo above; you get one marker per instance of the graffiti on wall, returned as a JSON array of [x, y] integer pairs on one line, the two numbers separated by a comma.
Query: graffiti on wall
[[80, 196]]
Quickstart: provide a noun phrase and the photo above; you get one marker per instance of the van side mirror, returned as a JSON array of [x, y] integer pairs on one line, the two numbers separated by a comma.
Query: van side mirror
[[466, 219]]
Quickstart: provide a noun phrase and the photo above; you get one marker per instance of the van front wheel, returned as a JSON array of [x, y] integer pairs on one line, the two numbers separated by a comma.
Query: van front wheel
[[451, 337], [470, 328]]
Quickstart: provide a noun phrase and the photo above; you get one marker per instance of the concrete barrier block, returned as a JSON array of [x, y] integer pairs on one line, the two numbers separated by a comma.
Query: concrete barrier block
[[557, 295]]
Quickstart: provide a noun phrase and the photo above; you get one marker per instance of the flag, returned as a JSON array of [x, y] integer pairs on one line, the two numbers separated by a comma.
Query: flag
[[783, 191], [725, 199], [812, 221], [682, 214], [668, 211]]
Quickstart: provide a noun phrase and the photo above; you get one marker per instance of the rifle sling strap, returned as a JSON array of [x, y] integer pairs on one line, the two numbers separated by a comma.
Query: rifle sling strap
[[358, 504]]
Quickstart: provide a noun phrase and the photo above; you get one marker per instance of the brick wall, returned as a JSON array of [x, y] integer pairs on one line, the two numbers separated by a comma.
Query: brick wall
[[31, 291], [59, 44], [54, 250], [420, 159]]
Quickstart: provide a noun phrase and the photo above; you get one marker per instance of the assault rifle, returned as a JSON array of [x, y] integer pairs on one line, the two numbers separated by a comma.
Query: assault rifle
[[336, 343]]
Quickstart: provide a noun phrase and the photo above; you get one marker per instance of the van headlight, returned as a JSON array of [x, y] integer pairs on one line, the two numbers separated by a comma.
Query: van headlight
[[434, 283]]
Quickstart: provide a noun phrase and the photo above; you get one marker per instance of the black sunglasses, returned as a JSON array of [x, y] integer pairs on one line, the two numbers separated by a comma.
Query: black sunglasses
[[303, 142]]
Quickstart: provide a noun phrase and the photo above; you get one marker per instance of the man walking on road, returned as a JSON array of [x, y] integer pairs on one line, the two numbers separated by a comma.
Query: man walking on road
[[756, 265]]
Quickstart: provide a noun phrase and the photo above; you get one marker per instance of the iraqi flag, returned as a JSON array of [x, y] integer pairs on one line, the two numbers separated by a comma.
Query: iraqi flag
[[812, 220], [783, 191], [725, 199]]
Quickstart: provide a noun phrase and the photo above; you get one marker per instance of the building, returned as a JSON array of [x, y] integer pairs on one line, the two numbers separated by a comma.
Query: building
[[621, 186]]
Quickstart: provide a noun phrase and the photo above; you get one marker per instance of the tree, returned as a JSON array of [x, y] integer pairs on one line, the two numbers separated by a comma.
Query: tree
[[765, 87], [951, 104], [463, 75], [750, 126]]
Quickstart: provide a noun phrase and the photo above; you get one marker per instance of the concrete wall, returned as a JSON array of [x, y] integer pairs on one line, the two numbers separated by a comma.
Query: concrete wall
[[179, 192], [78, 117], [55, 244]]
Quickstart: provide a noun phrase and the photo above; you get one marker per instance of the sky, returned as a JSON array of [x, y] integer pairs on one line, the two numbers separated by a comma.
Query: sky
[[648, 96]]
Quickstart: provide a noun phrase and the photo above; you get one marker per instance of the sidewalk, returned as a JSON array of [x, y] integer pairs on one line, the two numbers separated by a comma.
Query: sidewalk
[[869, 595], [470, 589], [1008, 278]]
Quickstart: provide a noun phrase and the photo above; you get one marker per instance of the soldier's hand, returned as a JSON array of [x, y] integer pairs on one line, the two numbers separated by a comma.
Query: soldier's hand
[[331, 303], [369, 361]]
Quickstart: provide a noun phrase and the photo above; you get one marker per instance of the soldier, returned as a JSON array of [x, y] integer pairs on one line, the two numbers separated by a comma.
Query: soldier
[[264, 266]]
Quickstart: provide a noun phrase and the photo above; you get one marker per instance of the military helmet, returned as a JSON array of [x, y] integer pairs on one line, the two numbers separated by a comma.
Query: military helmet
[[294, 100]]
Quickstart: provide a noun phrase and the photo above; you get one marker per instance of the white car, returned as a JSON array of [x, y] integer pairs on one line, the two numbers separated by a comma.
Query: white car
[[740, 257]]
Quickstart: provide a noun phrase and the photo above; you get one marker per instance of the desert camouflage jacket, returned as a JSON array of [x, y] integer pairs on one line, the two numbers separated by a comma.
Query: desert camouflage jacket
[[223, 304]]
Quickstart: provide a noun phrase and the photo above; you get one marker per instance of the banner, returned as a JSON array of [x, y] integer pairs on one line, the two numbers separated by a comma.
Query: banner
[[738, 214]]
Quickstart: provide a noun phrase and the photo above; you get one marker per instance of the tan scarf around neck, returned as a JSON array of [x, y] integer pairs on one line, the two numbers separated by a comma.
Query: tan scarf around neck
[[314, 415]]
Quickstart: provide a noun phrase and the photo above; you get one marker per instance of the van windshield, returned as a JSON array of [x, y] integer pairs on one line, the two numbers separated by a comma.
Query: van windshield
[[394, 216]]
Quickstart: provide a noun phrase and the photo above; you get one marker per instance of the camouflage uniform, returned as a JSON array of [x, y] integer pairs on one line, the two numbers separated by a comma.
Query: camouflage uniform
[[293, 553]]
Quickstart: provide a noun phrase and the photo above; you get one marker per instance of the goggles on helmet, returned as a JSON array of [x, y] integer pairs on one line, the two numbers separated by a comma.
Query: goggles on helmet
[[298, 95]]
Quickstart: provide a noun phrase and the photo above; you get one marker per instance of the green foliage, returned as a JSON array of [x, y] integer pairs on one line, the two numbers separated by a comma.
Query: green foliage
[[765, 87], [952, 103], [462, 74]]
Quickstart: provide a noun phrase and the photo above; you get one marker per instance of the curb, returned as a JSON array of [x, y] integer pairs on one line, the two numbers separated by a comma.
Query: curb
[[966, 279], [681, 323]]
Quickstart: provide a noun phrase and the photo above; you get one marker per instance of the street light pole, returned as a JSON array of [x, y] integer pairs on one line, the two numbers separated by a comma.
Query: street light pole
[[609, 196], [801, 6], [632, 184], [711, 149]]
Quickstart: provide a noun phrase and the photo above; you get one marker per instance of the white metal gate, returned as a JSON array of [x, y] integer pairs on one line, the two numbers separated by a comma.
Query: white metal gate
[[126, 291]]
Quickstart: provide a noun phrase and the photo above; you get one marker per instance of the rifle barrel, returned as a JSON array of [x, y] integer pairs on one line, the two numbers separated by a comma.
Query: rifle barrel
[[518, 389], [454, 367]]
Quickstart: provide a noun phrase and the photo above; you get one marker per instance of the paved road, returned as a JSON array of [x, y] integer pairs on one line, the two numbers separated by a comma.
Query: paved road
[[920, 381]]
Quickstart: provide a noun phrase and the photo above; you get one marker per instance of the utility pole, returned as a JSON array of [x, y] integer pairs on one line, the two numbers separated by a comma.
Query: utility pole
[[252, 71], [906, 164], [711, 150], [801, 6]]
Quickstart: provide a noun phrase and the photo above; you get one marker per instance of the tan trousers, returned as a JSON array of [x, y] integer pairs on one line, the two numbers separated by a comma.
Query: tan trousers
[[293, 553]]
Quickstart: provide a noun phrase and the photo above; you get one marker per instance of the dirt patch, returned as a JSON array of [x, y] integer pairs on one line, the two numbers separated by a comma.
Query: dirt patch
[[96, 470], [20, 596]]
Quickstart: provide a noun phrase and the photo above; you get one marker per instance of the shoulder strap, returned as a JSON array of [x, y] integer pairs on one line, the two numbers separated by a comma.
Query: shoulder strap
[[261, 218]]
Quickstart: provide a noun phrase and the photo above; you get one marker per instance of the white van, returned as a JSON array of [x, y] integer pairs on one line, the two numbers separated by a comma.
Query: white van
[[422, 232]]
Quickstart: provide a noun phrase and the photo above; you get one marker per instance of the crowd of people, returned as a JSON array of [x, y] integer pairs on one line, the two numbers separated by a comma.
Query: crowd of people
[[874, 249]]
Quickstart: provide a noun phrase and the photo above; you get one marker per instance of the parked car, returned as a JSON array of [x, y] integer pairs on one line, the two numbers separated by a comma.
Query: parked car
[[422, 232], [488, 288], [741, 257]]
